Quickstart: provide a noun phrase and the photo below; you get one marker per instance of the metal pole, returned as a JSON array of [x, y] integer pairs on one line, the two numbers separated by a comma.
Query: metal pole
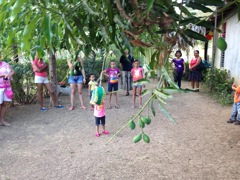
[[214, 49]]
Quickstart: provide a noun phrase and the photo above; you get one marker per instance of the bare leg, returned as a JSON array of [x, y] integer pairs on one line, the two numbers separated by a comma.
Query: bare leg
[[53, 96], [197, 84], [73, 91], [103, 127], [134, 96], [109, 100], [140, 96], [97, 129], [3, 112], [80, 86], [40, 94], [116, 99], [192, 84]]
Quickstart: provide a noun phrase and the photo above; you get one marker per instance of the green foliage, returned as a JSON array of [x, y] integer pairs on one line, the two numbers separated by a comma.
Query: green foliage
[[23, 83], [221, 85]]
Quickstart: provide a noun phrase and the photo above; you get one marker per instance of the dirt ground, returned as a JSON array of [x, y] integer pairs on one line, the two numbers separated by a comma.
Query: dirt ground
[[60, 144]]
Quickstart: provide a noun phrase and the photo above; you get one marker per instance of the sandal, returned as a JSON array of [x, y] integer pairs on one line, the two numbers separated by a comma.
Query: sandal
[[4, 123], [140, 106], [97, 134], [116, 106], [109, 107], [133, 107], [43, 109], [59, 106], [105, 132], [83, 107], [127, 94], [71, 108]]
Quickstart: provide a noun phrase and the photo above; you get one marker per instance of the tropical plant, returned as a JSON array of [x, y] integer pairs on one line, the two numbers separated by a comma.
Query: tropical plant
[[89, 25]]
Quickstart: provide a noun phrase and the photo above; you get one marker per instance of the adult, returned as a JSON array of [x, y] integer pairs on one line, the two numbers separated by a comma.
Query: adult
[[40, 69], [195, 76], [126, 62], [6, 73], [76, 79], [179, 67]]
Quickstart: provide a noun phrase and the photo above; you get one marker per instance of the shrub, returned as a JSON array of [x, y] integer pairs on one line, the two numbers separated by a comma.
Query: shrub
[[221, 85]]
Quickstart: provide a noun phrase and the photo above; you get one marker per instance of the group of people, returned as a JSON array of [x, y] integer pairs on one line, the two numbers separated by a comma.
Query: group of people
[[131, 73], [195, 75]]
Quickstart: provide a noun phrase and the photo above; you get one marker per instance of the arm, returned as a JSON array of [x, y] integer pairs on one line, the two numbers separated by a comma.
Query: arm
[[184, 67], [119, 72], [89, 88], [37, 69], [104, 72], [83, 71], [198, 62], [69, 63]]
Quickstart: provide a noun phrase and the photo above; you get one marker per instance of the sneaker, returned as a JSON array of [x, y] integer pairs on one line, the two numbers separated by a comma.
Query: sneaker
[[4, 123], [105, 132], [43, 109], [237, 123], [231, 121], [59, 106]]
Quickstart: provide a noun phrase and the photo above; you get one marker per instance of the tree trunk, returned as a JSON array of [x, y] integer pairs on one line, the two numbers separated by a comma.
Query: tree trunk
[[53, 71]]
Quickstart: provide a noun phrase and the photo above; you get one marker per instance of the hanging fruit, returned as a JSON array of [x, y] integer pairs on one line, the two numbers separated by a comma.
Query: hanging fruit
[[208, 37], [210, 33], [221, 44]]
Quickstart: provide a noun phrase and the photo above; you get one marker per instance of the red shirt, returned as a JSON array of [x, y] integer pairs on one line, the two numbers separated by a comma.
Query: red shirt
[[193, 62]]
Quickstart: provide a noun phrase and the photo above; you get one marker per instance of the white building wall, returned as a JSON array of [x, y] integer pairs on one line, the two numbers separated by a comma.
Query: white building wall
[[232, 53]]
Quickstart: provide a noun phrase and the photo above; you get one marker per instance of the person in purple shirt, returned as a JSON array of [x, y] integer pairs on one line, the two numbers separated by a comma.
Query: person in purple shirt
[[179, 67], [112, 73]]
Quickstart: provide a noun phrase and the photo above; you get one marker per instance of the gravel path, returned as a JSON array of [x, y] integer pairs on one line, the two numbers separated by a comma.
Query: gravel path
[[60, 144]]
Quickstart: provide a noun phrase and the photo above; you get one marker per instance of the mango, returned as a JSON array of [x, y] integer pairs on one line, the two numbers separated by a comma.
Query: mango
[[141, 123], [132, 125], [137, 138], [221, 44], [146, 138], [75, 72], [146, 120]]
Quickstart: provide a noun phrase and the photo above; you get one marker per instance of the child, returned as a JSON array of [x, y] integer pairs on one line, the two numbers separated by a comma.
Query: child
[[235, 117], [179, 67], [137, 74], [112, 73], [99, 113], [91, 86]]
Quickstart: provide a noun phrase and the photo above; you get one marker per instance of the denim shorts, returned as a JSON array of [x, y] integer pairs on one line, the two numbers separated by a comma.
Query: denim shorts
[[75, 79], [137, 85], [112, 87], [100, 120]]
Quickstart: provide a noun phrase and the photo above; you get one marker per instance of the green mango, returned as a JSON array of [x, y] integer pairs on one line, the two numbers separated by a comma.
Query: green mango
[[71, 73], [75, 72], [146, 138], [146, 120], [137, 138], [132, 125], [221, 44], [141, 123]]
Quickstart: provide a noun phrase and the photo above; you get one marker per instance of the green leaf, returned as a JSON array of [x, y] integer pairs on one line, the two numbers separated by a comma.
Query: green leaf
[[185, 10], [17, 7], [47, 28], [196, 5], [165, 112], [211, 2], [141, 81], [206, 24], [152, 108], [170, 90], [145, 92], [188, 20], [192, 34], [168, 78], [149, 5], [161, 95]]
